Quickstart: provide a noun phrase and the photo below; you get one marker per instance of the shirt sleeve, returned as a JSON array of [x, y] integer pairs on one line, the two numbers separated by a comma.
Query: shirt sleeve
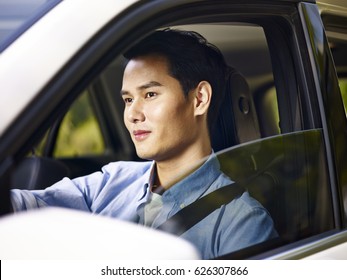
[[76, 193], [91, 193]]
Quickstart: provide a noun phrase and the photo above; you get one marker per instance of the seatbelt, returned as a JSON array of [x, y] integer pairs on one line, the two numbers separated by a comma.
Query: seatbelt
[[201, 208]]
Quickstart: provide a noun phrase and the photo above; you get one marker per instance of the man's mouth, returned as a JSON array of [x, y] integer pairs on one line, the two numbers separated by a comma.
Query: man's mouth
[[141, 135]]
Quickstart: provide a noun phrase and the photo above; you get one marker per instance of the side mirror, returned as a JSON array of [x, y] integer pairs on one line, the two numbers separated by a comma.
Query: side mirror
[[57, 233]]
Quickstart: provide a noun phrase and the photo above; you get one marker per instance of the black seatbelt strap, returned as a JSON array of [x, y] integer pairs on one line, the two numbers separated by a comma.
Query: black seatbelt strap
[[201, 208]]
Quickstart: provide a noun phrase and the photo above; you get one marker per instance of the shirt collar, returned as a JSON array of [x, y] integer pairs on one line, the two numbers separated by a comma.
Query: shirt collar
[[147, 179], [189, 188], [195, 184]]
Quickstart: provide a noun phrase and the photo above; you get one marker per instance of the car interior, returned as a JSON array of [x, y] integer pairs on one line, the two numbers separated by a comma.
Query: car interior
[[263, 136]]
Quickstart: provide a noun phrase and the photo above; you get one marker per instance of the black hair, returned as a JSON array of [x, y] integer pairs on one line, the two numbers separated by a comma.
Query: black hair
[[191, 60]]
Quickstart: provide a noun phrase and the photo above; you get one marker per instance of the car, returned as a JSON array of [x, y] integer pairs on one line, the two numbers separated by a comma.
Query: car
[[281, 132]]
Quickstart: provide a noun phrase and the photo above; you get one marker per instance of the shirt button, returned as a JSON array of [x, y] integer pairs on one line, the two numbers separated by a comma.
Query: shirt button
[[182, 206]]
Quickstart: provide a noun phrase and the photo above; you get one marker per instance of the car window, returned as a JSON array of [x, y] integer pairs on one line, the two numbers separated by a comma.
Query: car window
[[79, 133], [17, 15], [343, 88], [285, 174], [262, 139], [335, 25]]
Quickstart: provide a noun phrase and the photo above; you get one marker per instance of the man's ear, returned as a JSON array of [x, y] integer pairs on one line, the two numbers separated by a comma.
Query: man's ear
[[203, 95]]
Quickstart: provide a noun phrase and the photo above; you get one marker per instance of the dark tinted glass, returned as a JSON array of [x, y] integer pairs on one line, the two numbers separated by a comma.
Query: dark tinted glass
[[288, 175]]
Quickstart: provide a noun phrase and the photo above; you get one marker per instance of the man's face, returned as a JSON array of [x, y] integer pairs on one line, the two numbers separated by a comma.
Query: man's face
[[159, 118]]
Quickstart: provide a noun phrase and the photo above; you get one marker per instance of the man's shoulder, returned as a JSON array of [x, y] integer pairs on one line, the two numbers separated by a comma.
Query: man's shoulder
[[248, 208]]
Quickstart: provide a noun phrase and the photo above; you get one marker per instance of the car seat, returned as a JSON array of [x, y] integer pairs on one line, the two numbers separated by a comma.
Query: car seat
[[237, 121]]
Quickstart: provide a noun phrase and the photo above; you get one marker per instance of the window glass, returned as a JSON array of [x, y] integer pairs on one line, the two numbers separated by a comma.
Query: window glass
[[39, 149], [337, 38], [286, 175], [79, 133], [343, 88]]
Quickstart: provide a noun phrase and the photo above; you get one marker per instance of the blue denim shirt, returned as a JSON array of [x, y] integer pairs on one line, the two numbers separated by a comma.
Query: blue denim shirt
[[121, 189]]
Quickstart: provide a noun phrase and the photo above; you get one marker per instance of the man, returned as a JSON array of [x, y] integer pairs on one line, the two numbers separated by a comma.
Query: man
[[172, 86]]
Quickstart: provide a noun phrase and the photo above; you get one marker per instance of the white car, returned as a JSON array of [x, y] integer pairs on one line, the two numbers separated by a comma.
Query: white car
[[283, 125]]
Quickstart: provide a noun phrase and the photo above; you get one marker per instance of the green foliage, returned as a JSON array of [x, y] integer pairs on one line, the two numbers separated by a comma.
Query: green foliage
[[343, 88], [79, 132]]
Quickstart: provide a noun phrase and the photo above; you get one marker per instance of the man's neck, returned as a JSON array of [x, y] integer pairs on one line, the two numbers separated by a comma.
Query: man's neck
[[171, 171]]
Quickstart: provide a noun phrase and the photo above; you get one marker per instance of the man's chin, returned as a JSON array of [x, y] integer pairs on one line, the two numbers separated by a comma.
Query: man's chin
[[145, 155]]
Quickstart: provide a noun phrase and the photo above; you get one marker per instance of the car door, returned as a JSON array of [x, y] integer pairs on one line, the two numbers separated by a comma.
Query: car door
[[277, 133]]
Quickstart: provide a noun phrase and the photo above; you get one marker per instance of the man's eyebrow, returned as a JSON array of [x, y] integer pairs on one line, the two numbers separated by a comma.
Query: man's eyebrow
[[123, 92], [149, 85], [145, 86]]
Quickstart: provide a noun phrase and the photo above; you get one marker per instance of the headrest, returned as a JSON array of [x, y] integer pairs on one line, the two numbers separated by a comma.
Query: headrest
[[237, 120]]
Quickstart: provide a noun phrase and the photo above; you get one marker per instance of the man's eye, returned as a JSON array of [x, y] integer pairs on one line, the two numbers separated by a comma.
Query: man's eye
[[150, 94], [127, 100]]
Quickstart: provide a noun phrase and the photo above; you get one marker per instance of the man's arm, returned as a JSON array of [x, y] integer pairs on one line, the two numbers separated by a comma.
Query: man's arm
[[65, 193], [78, 193], [94, 192], [250, 224]]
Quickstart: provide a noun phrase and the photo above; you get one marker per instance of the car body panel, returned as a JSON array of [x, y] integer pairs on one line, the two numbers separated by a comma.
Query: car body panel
[[66, 41], [70, 235], [325, 247], [333, 251]]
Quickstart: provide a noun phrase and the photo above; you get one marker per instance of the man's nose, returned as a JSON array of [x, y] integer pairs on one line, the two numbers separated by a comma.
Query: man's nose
[[135, 112]]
